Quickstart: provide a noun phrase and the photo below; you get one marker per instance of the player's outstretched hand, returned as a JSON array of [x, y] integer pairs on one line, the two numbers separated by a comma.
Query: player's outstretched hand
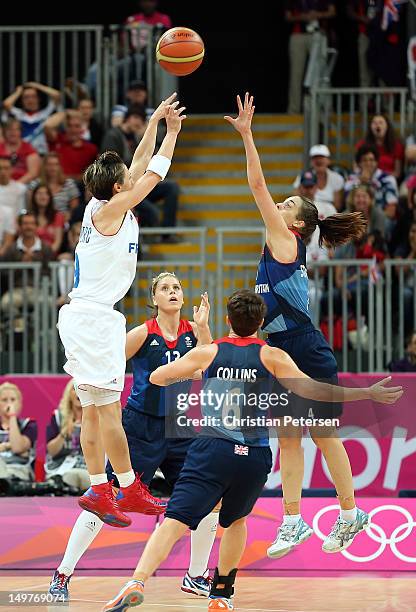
[[174, 119], [201, 312], [242, 123], [160, 112], [385, 395]]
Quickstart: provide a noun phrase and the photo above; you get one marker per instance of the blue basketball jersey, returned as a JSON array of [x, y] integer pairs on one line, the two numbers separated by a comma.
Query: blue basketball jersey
[[238, 381], [284, 288], [156, 351]]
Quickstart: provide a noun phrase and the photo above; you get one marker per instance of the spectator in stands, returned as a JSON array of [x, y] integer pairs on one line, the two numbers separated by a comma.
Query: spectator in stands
[[361, 198], [66, 267], [65, 459], [75, 153], [50, 223], [93, 130], [407, 250], [308, 187], [118, 114], [148, 14], [24, 158], [124, 140], [7, 228], [362, 12], [330, 183], [407, 215], [384, 185], [31, 116], [17, 437], [390, 150], [408, 363], [12, 193], [28, 248], [308, 19], [66, 195]]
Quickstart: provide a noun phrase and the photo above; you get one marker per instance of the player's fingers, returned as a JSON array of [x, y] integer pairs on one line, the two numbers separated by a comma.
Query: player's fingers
[[250, 102], [229, 119], [182, 117], [239, 104], [384, 381], [180, 110], [170, 98], [195, 309]]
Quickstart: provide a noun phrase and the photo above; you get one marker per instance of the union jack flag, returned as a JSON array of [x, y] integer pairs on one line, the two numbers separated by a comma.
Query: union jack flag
[[390, 12], [240, 450]]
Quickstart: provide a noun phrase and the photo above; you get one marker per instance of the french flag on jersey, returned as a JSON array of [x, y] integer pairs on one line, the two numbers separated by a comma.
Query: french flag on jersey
[[390, 12]]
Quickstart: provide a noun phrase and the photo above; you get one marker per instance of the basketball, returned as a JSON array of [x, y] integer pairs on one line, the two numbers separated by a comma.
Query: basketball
[[180, 51]]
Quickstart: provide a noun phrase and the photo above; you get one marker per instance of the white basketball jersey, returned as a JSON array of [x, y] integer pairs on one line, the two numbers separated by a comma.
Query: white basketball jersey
[[105, 266]]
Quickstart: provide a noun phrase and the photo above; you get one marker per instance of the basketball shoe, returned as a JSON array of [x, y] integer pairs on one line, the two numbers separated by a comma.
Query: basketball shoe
[[59, 586], [289, 536], [100, 500], [200, 585], [137, 498], [130, 596], [344, 532], [220, 603]]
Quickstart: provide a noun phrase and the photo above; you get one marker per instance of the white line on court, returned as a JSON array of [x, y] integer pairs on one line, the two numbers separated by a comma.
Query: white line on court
[[193, 607], [44, 584]]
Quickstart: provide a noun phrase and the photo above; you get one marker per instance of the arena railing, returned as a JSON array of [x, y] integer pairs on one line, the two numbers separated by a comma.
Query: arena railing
[[365, 318], [339, 117], [51, 54], [20, 317]]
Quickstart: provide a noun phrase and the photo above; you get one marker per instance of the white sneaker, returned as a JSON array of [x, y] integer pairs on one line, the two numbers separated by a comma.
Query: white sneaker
[[344, 532], [289, 536]]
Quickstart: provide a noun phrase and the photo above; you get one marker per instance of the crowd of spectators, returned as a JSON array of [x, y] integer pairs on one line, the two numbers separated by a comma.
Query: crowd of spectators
[[382, 185]]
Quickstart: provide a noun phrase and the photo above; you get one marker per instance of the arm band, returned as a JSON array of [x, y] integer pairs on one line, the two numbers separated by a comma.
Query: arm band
[[159, 165]]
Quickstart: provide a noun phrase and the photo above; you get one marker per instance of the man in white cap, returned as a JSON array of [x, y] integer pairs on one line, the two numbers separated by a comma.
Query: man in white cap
[[330, 184]]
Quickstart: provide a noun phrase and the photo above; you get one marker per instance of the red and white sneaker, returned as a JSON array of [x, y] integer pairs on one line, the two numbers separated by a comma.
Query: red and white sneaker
[[220, 603], [130, 596], [100, 500], [137, 498]]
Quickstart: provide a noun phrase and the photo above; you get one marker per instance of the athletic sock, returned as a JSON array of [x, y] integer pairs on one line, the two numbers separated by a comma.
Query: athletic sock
[[98, 479], [291, 519], [202, 541], [348, 515], [125, 479], [83, 533]]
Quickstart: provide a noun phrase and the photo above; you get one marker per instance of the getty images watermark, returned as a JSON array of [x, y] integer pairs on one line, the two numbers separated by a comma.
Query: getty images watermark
[[234, 409]]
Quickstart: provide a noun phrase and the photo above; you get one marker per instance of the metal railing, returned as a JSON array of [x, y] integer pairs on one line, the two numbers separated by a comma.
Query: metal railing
[[103, 65], [365, 318], [339, 117], [50, 55]]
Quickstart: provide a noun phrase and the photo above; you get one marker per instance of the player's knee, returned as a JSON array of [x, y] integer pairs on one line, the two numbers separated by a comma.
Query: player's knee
[[324, 443], [290, 443]]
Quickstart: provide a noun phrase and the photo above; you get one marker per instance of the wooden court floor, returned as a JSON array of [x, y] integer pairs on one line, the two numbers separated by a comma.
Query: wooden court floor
[[363, 594]]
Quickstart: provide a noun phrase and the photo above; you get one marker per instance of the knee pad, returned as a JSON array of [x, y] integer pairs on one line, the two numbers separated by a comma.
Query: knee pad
[[227, 581]]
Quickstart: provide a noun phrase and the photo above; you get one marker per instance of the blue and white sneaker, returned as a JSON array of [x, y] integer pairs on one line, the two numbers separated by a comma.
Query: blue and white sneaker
[[59, 586], [344, 532], [201, 585], [289, 536]]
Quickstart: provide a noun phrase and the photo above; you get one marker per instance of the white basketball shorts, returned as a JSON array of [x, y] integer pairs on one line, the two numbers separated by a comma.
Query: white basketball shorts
[[94, 338]]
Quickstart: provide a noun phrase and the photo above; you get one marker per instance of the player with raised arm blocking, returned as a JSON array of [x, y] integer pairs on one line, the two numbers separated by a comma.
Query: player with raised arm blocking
[[92, 332], [226, 463]]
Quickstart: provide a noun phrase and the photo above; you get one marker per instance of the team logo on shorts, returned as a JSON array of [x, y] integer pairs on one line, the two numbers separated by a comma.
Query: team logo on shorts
[[240, 450]]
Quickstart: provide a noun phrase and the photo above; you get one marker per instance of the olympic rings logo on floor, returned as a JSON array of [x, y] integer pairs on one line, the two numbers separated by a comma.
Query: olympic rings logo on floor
[[376, 533]]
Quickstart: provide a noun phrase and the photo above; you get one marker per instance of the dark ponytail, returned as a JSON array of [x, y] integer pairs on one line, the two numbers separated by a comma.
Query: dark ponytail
[[341, 228], [335, 229]]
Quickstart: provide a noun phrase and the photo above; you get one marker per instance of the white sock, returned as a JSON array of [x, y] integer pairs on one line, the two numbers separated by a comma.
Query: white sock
[[202, 541], [348, 515], [125, 479], [291, 519], [97, 479], [83, 533]]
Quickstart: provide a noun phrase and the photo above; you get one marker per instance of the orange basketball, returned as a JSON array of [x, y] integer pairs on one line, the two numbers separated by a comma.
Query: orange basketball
[[180, 51]]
